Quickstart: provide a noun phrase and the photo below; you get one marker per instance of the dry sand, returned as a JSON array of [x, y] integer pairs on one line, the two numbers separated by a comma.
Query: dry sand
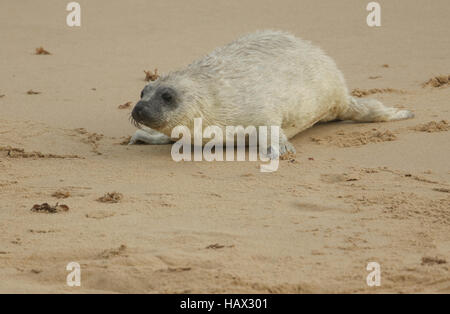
[[355, 193]]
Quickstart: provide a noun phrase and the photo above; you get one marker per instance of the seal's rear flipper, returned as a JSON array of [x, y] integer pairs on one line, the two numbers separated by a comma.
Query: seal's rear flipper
[[371, 110]]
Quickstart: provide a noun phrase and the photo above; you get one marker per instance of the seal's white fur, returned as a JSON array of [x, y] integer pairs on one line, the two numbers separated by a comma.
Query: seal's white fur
[[262, 79]]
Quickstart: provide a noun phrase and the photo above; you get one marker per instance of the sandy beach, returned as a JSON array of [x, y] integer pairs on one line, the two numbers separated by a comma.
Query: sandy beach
[[354, 193]]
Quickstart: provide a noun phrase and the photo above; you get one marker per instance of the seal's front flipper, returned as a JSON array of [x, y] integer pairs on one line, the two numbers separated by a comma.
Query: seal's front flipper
[[153, 138], [284, 147]]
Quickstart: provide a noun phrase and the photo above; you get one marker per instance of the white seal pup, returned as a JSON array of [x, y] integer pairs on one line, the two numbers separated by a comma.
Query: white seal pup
[[267, 78]]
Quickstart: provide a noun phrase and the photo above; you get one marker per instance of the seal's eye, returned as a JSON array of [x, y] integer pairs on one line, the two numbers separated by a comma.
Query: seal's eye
[[167, 97], [142, 93]]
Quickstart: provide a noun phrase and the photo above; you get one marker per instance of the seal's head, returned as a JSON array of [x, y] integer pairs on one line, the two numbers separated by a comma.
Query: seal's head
[[171, 100], [155, 106]]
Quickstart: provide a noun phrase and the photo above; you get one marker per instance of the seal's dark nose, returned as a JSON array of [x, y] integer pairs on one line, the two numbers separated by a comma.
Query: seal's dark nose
[[147, 113], [138, 111]]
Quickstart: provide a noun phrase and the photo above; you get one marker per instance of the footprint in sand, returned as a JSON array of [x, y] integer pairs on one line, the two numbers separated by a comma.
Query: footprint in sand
[[350, 139], [14, 152], [120, 251], [335, 178], [438, 81], [100, 214], [433, 126], [91, 139]]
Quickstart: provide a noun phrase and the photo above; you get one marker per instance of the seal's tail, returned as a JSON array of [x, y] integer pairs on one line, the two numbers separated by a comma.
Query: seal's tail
[[371, 110]]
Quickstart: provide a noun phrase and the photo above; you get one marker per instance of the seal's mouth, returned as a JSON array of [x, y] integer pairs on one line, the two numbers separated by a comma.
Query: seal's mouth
[[148, 114], [138, 123], [134, 122]]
